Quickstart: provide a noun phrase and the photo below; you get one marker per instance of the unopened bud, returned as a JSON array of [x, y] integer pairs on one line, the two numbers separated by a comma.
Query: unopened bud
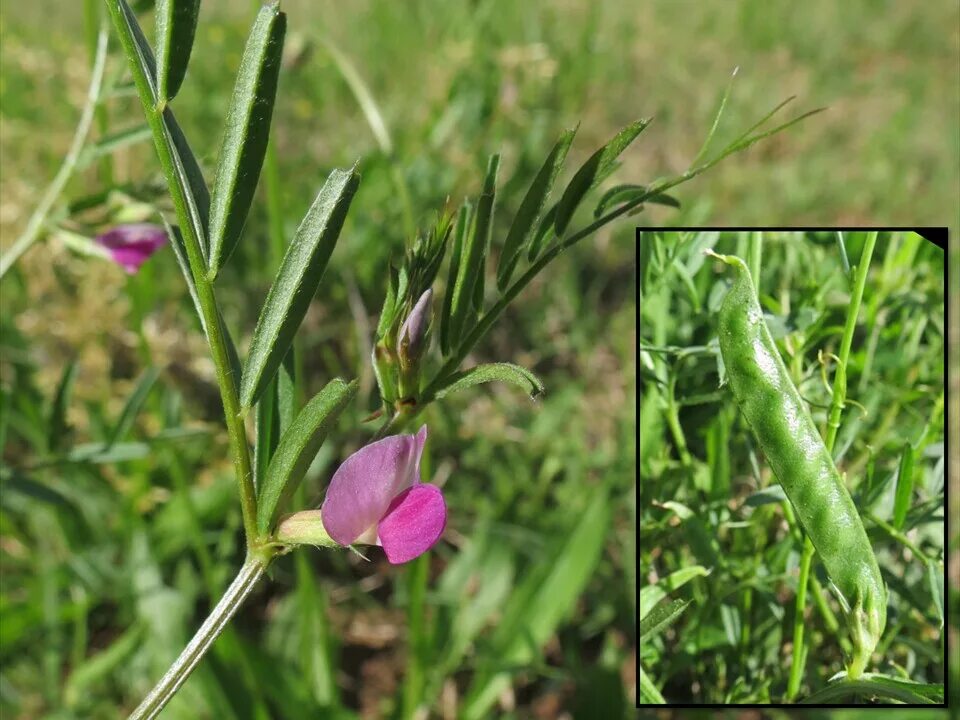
[[413, 332]]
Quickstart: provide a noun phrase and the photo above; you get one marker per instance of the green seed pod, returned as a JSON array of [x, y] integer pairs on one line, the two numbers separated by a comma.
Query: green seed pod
[[785, 431]]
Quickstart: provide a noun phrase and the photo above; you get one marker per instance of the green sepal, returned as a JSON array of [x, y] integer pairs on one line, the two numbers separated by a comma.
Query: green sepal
[[304, 528]]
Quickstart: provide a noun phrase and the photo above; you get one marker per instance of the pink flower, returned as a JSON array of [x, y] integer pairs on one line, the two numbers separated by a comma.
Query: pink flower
[[131, 245], [376, 496]]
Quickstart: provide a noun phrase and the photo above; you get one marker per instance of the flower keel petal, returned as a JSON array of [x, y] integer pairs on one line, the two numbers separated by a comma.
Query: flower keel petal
[[413, 523]]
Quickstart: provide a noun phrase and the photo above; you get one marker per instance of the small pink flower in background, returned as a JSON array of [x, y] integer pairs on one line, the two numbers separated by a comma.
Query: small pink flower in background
[[131, 245], [376, 496]]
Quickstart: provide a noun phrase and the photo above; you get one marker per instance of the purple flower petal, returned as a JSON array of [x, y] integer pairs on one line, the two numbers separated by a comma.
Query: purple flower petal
[[413, 523], [131, 245], [363, 487]]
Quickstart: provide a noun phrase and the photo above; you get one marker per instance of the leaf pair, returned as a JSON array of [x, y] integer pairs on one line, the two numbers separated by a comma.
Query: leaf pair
[[471, 242], [593, 172], [531, 208], [533, 226], [218, 220]]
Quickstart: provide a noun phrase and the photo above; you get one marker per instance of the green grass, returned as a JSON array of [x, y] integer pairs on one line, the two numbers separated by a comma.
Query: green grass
[[109, 565]]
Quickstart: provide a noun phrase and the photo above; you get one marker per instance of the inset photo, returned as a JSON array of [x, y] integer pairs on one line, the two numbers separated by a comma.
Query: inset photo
[[792, 467]]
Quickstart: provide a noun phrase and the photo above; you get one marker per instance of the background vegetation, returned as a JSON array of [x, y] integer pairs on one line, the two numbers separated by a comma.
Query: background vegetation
[[109, 558]]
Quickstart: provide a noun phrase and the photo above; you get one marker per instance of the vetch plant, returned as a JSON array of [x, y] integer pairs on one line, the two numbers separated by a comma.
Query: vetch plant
[[376, 496]]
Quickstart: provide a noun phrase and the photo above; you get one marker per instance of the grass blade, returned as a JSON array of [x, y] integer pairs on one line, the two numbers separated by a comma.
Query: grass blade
[[531, 208], [176, 26], [467, 608], [904, 490], [662, 617], [299, 446], [361, 92], [246, 134], [57, 426], [649, 695], [538, 605], [85, 678], [593, 171], [132, 406], [296, 282]]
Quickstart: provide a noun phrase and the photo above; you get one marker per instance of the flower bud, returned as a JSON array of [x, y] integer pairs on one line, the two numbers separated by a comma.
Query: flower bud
[[411, 339]]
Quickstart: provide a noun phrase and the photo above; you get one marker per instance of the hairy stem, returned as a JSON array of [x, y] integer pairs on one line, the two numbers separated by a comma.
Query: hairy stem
[[232, 599]]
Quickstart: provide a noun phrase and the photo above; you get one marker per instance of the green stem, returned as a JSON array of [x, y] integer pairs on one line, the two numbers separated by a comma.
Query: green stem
[[755, 246], [840, 380], [833, 425], [92, 21], [36, 222], [417, 577], [833, 625], [181, 487], [232, 599], [899, 537], [796, 669], [673, 422], [192, 230], [216, 337]]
